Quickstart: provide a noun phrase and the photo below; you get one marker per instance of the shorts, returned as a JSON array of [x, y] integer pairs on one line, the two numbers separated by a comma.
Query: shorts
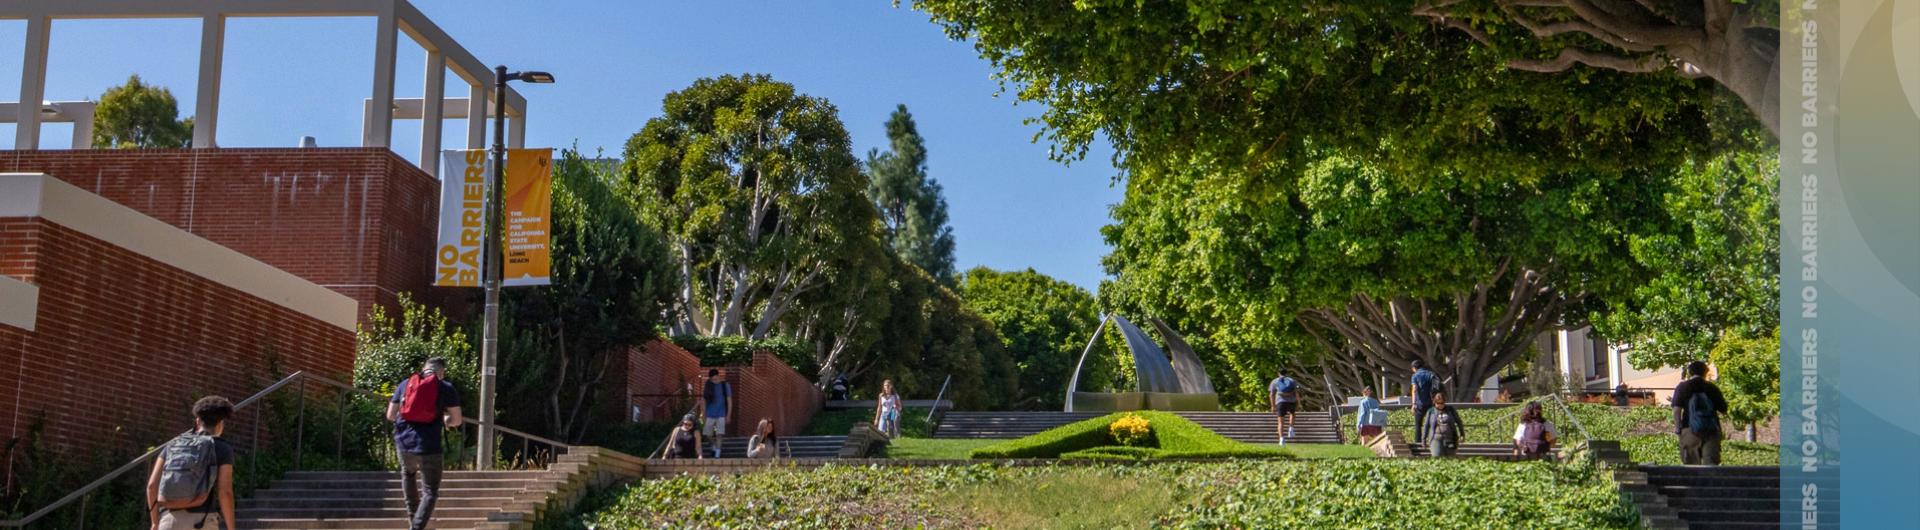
[[1286, 408], [185, 520], [1370, 430], [714, 426]]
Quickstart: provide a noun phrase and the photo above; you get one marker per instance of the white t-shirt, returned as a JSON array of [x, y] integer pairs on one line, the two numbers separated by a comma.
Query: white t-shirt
[[1521, 430]]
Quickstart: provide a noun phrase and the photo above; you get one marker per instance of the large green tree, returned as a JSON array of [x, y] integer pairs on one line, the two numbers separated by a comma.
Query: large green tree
[[612, 283], [137, 115], [929, 333], [1256, 90], [1354, 273], [1044, 323], [758, 191], [912, 211]]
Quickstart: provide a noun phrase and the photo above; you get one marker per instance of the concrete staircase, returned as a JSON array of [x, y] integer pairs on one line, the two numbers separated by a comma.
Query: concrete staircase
[[372, 499], [1310, 426], [1006, 424], [1719, 497], [1471, 450], [790, 446]]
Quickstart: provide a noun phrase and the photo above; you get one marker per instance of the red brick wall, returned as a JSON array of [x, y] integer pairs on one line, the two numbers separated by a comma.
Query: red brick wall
[[123, 344], [360, 221], [657, 372]]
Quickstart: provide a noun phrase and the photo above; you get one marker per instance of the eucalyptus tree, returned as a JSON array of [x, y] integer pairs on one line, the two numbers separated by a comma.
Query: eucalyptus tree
[[759, 192]]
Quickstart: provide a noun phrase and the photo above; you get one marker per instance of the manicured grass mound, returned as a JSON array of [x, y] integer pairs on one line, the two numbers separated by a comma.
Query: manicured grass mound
[[1173, 437], [1347, 493]]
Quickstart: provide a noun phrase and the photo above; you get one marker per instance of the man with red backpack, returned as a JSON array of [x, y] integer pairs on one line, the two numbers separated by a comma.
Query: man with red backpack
[[424, 405]]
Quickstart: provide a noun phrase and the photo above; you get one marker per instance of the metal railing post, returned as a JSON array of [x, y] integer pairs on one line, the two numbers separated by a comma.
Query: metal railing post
[[938, 397], [254, 467], [340, 436], [300, 429]]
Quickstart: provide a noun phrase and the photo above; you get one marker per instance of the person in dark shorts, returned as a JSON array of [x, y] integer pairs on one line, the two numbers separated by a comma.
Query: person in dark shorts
[[1697, 406], [216, 510], [1284, 395], [423, 407]]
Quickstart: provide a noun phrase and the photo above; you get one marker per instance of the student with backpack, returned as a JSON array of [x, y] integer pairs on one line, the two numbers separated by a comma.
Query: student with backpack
[[1424, 385], [1534, 436], [1284, 395], [716, 399], [1443, 427], [1697, 406], [423, 407], [192, 480]]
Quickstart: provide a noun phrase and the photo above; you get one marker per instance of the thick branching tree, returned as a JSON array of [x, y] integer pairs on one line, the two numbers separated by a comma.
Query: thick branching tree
[[1735, 43], [139, 115], [1353, 274], [912, 211], [758, 190], [613, 282]]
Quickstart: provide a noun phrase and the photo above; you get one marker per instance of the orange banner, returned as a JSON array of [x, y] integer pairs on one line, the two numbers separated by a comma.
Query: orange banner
[[528, 208]]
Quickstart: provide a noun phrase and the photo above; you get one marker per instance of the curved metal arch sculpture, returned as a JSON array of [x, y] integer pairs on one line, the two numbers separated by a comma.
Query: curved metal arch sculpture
[[1161, 381]]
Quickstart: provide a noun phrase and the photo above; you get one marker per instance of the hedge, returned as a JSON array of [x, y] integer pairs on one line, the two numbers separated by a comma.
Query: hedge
[[1175, 437]]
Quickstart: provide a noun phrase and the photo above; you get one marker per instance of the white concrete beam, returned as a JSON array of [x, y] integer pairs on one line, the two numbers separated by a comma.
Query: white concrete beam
[[33, 84], [517, 130], [206, 105], [81, 114], [433, 113], [477, 98], [379, 127]]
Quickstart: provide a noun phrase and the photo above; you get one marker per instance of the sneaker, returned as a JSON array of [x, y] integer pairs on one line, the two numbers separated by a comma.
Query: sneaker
[[1289, 431], [1283, 440]]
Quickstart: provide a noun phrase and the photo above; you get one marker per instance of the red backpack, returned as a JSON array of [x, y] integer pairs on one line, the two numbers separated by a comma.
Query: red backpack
[[421, 404]]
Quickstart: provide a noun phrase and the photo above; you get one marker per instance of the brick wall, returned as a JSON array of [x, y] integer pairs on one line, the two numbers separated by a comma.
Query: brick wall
[[360, 221], [657, 374], [124, 343]]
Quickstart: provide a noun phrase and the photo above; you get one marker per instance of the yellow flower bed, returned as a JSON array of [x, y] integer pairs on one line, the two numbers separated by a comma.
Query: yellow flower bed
[[1130, 430]]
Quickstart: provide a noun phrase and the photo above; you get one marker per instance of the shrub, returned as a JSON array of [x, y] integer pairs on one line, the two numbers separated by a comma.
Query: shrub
[[1131, 430]]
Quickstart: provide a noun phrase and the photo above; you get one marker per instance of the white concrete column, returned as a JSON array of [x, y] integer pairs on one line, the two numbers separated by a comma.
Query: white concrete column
[[33, 84], [379, 127], [1564, 347], [1616, 366], [477, 98], [517, 130], [82, 116], [432, 111], [206, 103]]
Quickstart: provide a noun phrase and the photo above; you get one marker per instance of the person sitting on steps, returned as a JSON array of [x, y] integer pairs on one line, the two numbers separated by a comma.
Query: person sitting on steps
[[684, 441], [763, 444], [1534, 437]]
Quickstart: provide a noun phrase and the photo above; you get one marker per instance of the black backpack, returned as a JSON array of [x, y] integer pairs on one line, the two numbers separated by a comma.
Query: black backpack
[[1701, 416]]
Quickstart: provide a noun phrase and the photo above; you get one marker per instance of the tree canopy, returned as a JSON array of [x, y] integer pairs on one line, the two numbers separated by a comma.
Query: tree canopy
[[139, 115], [758, 190], [1043, 322], [913, 214]]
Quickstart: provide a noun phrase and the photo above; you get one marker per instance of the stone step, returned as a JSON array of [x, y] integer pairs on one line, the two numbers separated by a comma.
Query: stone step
[[364, 503], [1712, 492], [439, 511], [393, 481], [1749, 471], [274, 492], [361, 524], [392, 474]]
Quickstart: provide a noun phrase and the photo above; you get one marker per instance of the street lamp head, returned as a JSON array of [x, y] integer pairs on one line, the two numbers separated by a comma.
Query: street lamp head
[[534, 77]]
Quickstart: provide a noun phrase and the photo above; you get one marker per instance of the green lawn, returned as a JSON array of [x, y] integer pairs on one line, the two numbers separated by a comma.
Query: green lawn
[[913, 422], [934, 449], [1342, 493], [1320, 451]]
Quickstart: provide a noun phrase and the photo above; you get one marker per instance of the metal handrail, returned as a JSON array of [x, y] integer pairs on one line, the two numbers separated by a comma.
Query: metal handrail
[[300, 376], [938, 397]]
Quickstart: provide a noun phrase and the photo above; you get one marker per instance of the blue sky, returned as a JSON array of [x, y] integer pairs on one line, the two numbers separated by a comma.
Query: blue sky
[[1011, 207]]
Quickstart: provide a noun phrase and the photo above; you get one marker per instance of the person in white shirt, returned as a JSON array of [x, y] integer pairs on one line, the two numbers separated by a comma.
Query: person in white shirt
[[1534, 436]]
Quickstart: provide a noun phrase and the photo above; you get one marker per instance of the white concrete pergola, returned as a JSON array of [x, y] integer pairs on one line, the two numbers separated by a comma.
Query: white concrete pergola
[[393, 17]]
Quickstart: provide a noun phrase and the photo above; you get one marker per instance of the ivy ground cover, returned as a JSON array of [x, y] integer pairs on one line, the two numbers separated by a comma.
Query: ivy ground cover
[[1646, 432], [1348, 493]]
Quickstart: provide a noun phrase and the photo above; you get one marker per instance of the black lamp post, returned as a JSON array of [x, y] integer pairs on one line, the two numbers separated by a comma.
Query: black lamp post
[[490, 337]]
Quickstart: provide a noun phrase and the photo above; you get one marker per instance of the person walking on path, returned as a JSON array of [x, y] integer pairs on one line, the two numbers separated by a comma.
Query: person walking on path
[[684, 441], [1283, 394], [1424, 386], [716, 403], [1369, 419], [1443, 427], [886, 410], [1697, 406], [192, 480], [423, 407], [763, 444], [1534, 437]]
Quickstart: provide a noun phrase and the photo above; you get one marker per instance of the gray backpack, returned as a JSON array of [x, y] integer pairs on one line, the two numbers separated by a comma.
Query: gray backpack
[[187, 471]]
